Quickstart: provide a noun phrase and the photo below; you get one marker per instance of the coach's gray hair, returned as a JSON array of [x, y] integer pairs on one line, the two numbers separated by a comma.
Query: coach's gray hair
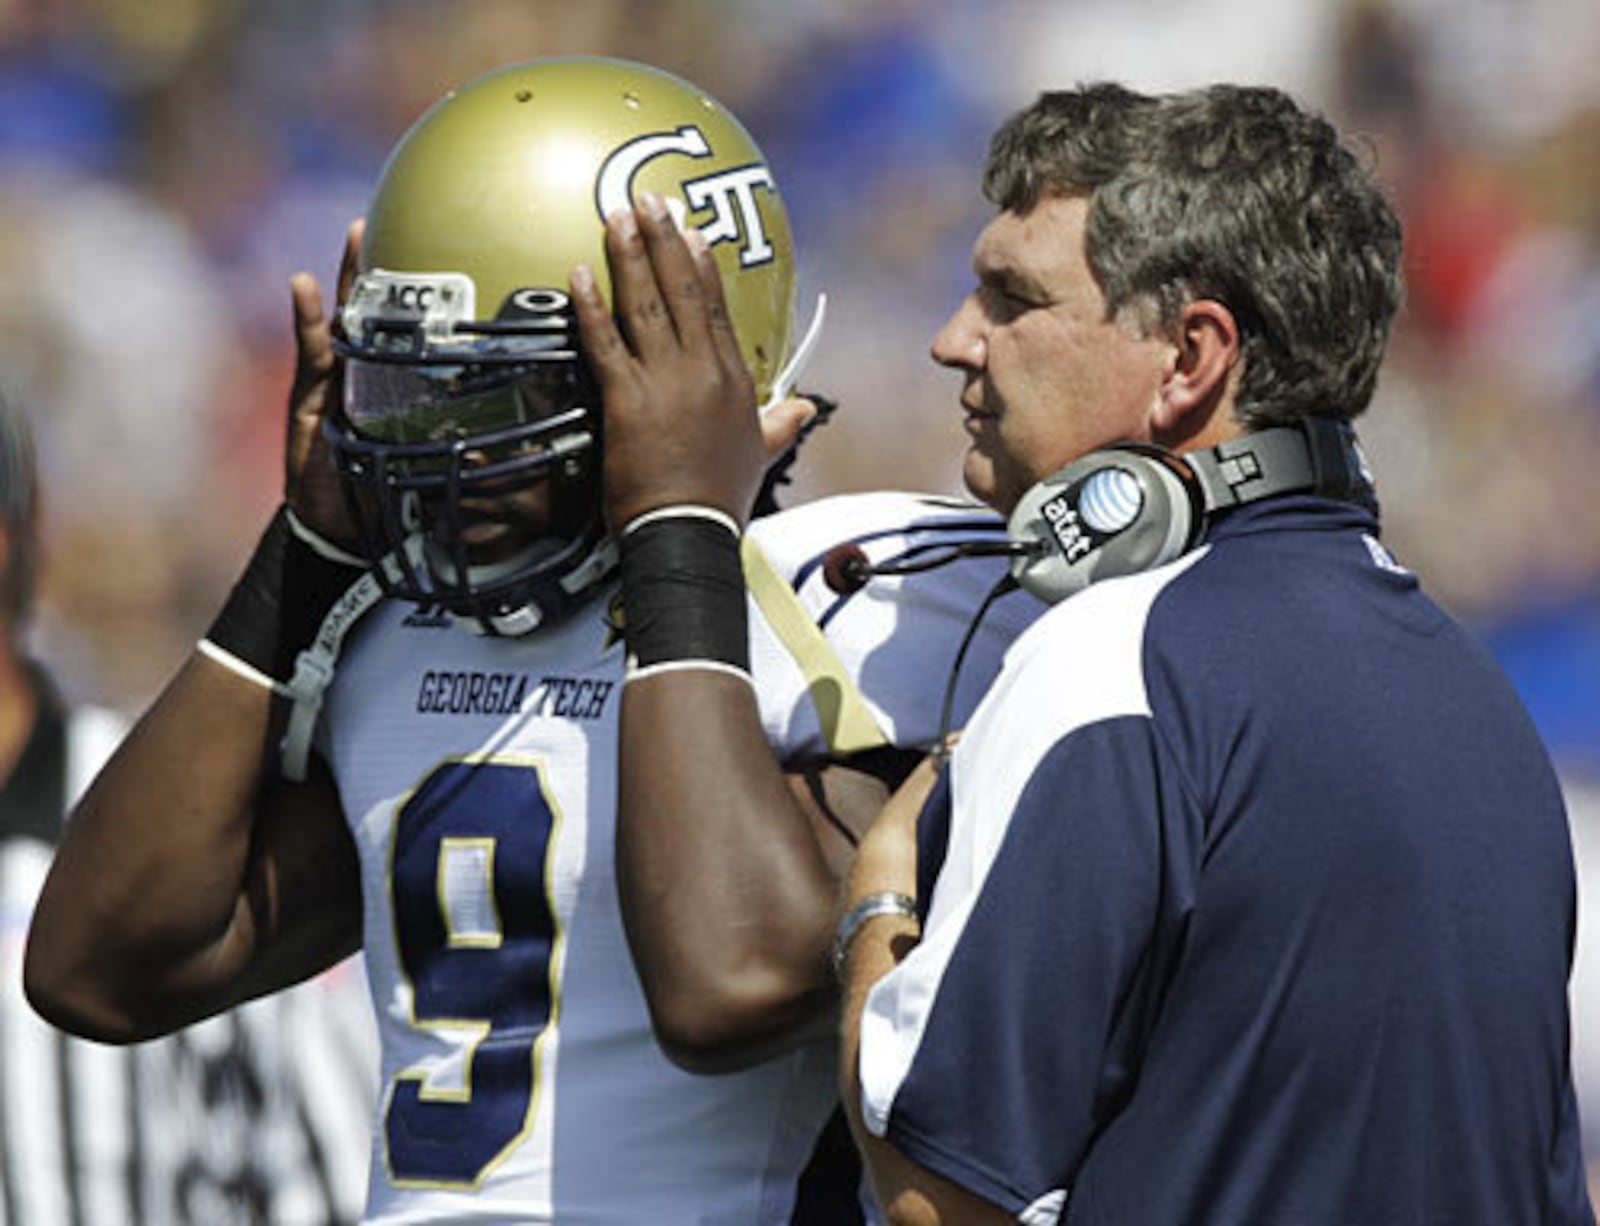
[[19, 504], [1230, 193]]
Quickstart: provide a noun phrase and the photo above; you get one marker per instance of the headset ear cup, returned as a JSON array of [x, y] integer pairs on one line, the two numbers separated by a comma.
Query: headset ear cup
[[1112, 512]]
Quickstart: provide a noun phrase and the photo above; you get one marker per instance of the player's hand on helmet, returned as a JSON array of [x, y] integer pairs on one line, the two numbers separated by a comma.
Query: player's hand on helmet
[[311, 484], [681, 421]]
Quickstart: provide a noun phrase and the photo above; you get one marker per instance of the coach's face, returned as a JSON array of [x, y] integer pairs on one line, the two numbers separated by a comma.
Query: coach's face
[[1048, 376]]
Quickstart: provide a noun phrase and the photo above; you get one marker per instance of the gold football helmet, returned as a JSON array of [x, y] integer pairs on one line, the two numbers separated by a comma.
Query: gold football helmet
[[464, 388]]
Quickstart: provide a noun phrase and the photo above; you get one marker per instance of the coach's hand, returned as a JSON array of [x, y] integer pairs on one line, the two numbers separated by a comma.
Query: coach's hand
[[886, 859], [681, 424]]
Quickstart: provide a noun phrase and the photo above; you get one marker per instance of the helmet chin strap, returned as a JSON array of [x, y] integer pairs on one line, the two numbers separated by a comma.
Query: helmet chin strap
[[783, 385], [600, 562], [313, 667]]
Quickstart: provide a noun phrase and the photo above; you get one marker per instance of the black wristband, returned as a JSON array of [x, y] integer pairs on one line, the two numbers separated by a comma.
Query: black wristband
[[683, 593], [277, 606]]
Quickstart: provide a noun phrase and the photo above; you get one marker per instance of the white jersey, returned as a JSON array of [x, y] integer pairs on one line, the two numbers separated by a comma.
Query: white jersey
[[521, 1081]]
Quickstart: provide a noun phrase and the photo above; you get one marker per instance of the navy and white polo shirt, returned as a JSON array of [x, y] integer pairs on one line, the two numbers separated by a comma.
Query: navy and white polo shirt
[[1250, 900]]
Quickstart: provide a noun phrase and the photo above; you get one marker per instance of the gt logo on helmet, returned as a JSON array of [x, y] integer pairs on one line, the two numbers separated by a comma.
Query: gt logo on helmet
[[730, 195]]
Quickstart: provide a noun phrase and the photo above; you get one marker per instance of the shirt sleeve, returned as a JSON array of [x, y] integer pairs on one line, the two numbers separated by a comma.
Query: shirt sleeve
[[1002, 1044], [994, 1052], [838, 671]]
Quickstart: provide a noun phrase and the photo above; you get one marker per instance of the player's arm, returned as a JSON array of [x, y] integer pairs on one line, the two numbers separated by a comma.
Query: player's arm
[[191, 876], [729, 871], [727, 892]]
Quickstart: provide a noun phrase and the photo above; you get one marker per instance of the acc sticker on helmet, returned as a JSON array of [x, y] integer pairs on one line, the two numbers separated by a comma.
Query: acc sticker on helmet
[[433, 302]]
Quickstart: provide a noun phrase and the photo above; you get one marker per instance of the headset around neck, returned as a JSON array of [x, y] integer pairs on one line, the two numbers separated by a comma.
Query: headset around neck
[[1135, 506]]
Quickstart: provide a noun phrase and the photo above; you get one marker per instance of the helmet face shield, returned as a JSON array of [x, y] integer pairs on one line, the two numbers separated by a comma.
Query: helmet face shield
[[466, 398], [491, 471], [429, 408]]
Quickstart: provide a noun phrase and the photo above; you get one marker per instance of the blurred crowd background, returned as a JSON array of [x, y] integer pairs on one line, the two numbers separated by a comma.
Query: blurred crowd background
[[165, 165]]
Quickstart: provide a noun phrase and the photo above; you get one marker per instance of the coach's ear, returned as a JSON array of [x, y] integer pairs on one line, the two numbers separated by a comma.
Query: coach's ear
[[1200, 378]]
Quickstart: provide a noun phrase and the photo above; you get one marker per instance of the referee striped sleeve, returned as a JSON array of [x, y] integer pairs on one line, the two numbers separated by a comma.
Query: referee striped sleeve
[[37, 1152], [258, 1116]]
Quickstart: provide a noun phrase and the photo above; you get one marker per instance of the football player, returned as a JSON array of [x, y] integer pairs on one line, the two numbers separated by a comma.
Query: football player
[[400, 733]]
